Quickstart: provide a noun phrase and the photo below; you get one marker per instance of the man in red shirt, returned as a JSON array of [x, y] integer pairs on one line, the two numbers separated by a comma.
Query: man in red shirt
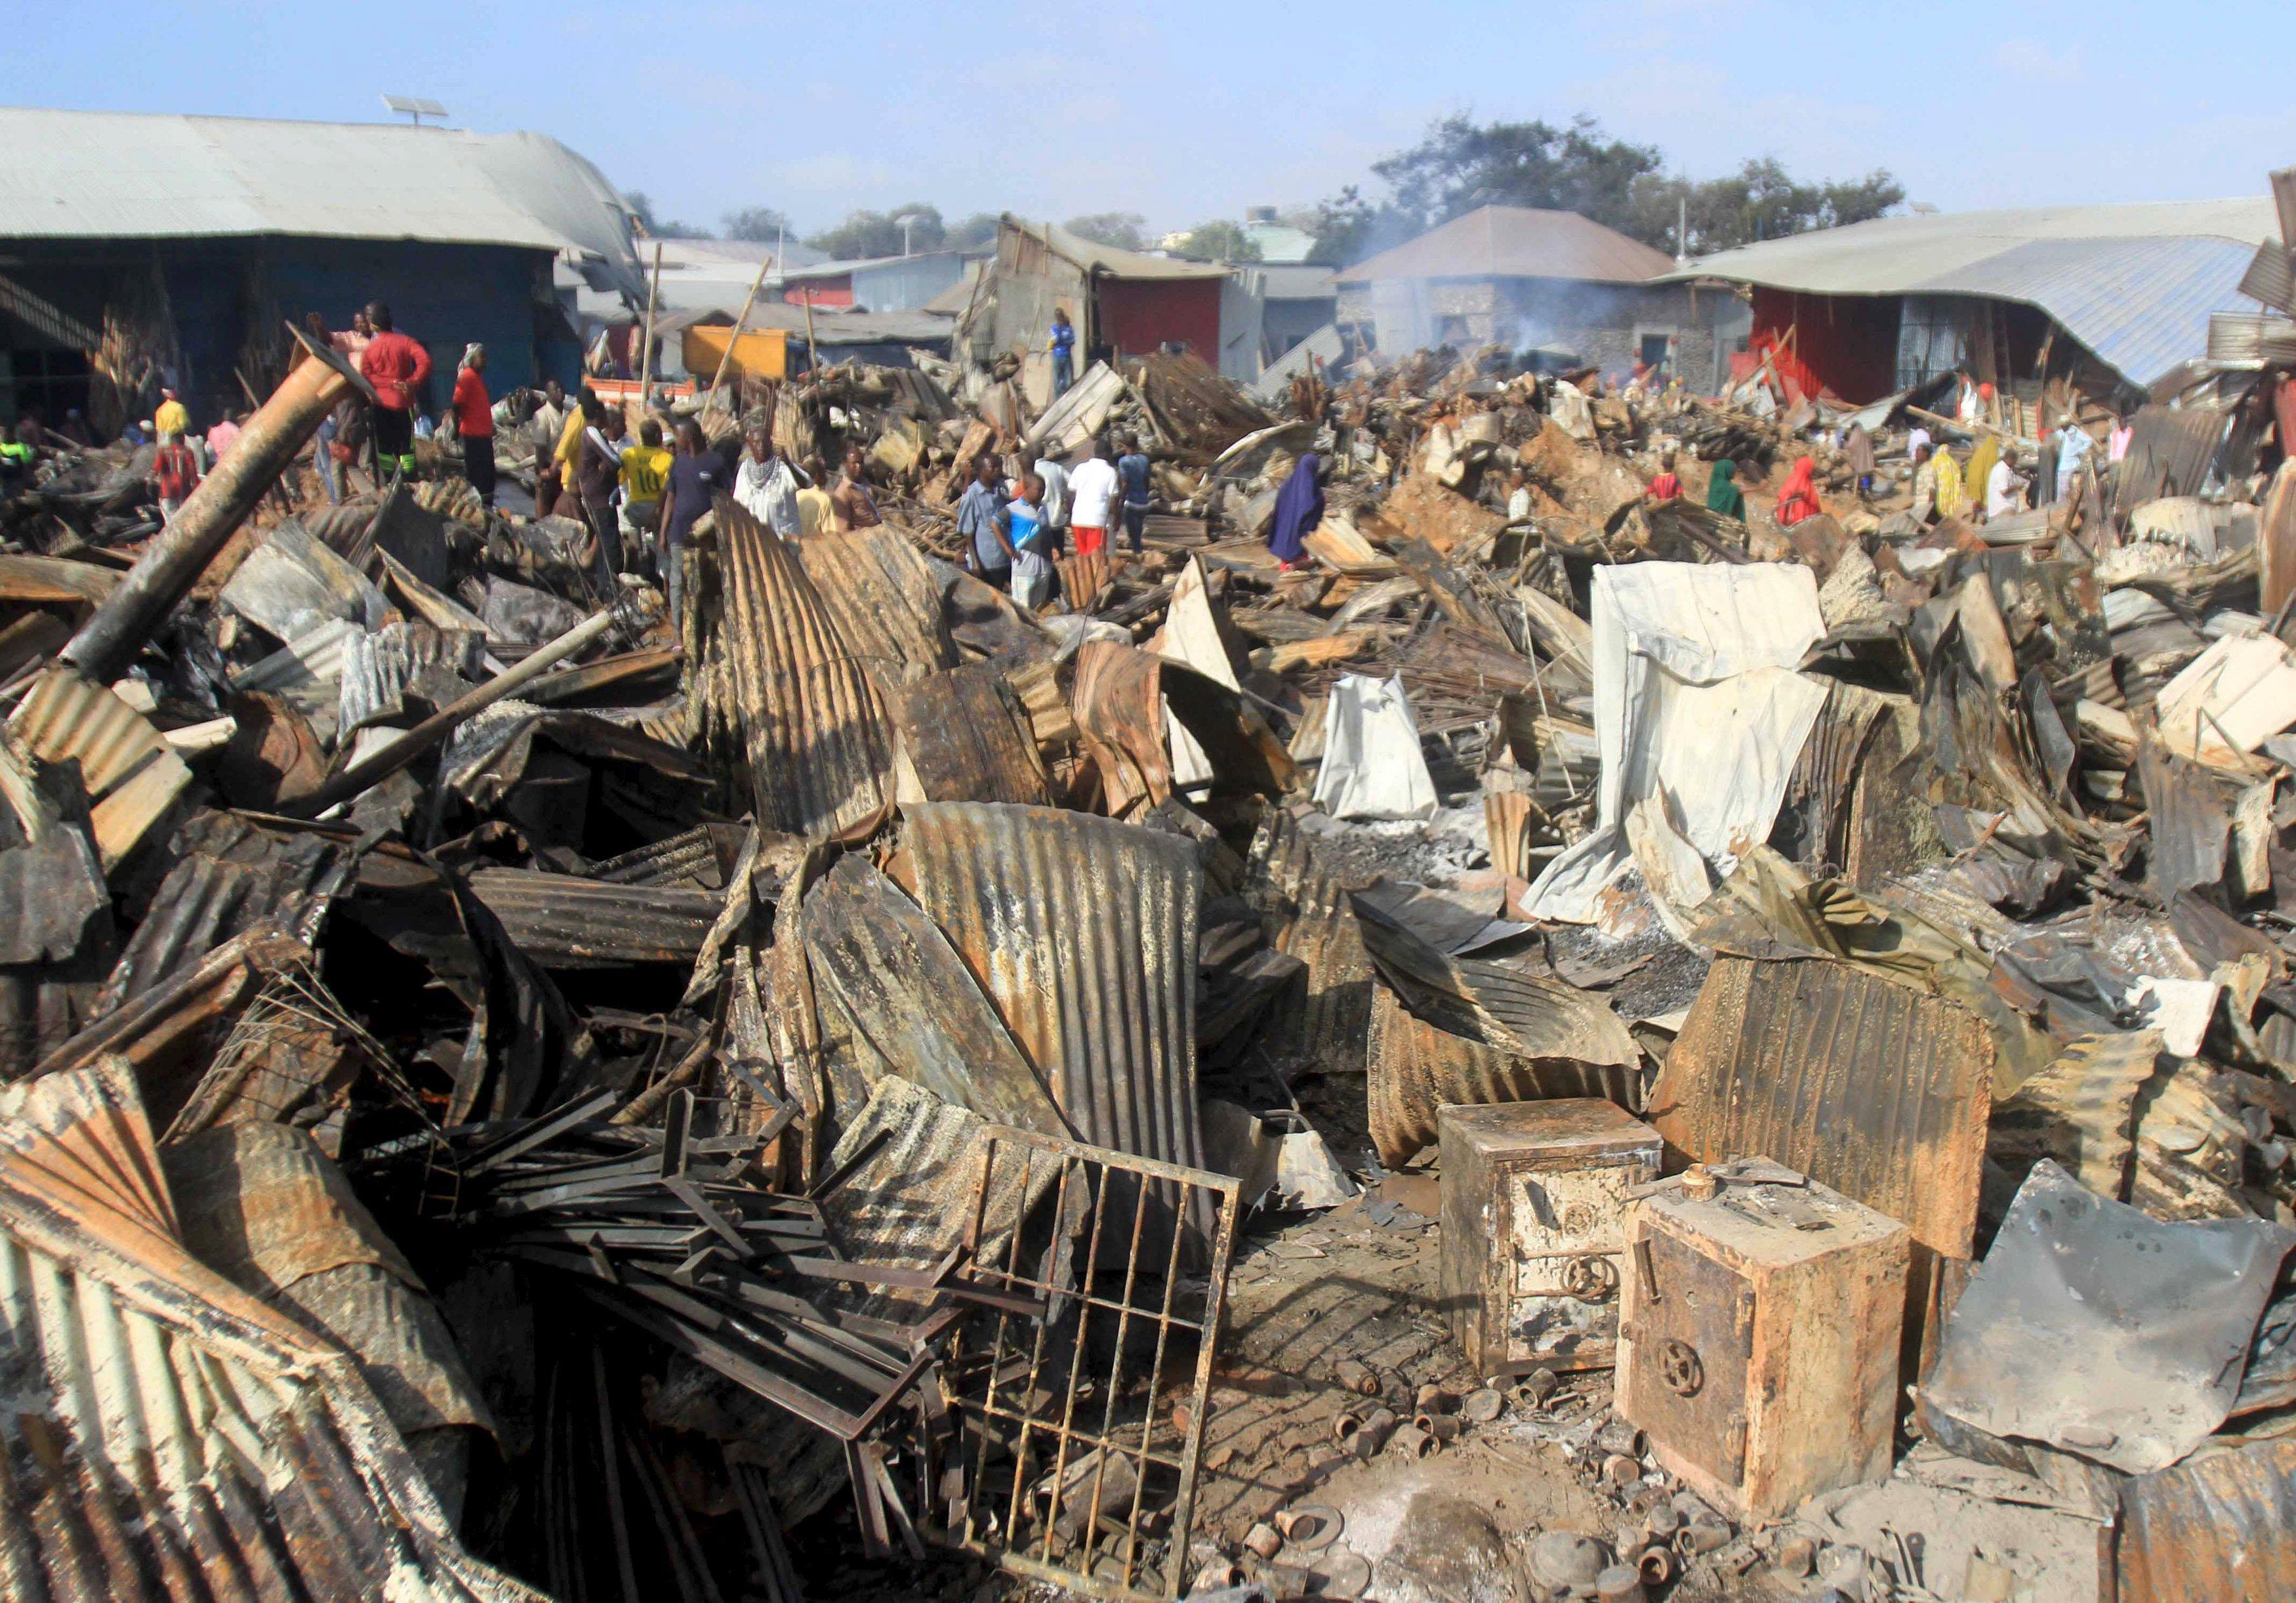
[[1666, 486], [176, 474], [395, 366], [474, 421]]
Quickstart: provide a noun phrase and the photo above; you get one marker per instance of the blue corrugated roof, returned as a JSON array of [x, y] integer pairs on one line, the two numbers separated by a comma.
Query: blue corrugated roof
[[2142, 305]]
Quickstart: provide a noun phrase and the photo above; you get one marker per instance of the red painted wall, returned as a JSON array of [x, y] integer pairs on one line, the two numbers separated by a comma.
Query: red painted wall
[[1137, 315], [821, 292], [1844, 345]]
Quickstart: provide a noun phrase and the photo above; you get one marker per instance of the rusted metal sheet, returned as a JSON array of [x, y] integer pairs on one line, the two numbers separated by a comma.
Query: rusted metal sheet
[[886, 602], [1330, 1023], [1874, 1087], [819, 756], [564, 921], [291, 583], [1119, 697], [54, 580], [227, 1445], [896, 1000], [132, 777], [233, 877], [962, 736], [378, 668], [1082, 932], [697, 859], [170, 1030], [1065, 1483], [2079, 1111], [2221, 1527], [1416, 1068]]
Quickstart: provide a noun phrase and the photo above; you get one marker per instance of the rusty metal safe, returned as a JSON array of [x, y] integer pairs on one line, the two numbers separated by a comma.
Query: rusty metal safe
[[1534, 1204]]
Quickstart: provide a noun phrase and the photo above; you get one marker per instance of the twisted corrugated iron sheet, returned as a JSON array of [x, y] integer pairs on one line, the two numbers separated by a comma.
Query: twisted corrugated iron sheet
[[1082, 931], [1331, 1020], [171, 1435], [813, 731], [887, 602]]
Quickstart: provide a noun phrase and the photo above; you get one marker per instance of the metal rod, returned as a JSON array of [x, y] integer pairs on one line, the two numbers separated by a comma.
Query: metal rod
[[645, 357], [108, 642], [356, 779]]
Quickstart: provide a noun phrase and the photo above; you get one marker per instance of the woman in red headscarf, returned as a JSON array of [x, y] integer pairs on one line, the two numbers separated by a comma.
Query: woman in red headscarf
[[1798, 499]]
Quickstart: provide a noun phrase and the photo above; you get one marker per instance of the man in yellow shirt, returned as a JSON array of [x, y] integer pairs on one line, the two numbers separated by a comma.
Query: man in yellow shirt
[[172, 416], [556, 476], [645, 471]]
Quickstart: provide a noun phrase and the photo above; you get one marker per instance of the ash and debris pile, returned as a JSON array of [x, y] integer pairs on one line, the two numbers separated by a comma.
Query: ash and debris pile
[[1493, 986]]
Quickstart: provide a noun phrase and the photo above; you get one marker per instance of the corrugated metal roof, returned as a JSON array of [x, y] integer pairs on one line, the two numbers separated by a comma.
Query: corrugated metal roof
[[1516, 242], [875, 582], [79, 174], [172, 1434], [1094, 256], [562, 921], [2134, 283]]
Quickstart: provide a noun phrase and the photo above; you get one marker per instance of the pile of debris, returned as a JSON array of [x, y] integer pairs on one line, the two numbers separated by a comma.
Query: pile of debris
[[1573, 1044]]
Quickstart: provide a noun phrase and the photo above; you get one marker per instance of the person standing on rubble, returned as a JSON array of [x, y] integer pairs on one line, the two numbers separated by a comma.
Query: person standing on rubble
[[1668, 485], [645, 474], [1029, 536], [174, 475], [1977, 476], [2004, 489], [856, 508], [1951, 500], [1857, 448], [604, 446], [1132, 471], [1722, 492], [1518, 502], [474, 421], [1299, 509], [397, 366], [1054, 503], [1797, 497], [1092, 494], [766, 486], [1062, 345], [980, 520], [1925, 481], [695, 478], [171, 416]]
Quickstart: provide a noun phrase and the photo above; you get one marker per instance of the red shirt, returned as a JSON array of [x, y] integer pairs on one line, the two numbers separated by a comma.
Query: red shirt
[[395, 365], [177, 471], [475, 417], [1666, 486]]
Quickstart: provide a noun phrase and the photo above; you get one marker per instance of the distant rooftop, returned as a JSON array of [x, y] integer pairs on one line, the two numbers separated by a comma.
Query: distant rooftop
[[1516, 242]]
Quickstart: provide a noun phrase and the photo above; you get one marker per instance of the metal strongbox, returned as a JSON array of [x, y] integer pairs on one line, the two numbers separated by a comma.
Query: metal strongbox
[[1534, 1204], [1758, 1335]]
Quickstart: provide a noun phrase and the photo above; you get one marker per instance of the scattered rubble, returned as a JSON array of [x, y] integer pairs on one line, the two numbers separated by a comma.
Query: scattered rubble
[[1567, 1043]]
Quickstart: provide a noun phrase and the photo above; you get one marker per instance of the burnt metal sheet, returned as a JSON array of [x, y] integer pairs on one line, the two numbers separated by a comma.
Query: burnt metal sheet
[[2079, 1111], [564, 921], [1876, 1089], [906, 1006], [1120, 696], [1082, 932], [261, 1205], [697, 859], [2191, 828], [224, 1439], [2103, 1333], [2221, 1527], [2170, 451], [1416, 1067], [1329, 1022], [233, 877], [886, 602], [54, 580], [820, 757], [377, 669], [131, 775], [963, 737], [291, 583], [2269, 278]]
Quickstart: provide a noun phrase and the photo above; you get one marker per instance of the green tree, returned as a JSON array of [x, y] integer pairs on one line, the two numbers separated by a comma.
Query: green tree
[[865, 233], [1217, 240], [642, 207], [1760, 201], [975, 233], [759, 225], [1125, 230]]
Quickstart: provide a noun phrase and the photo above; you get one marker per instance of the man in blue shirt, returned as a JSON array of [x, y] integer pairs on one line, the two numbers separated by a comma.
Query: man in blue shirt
[[1063, 349], [980, 520], [1132, 477]]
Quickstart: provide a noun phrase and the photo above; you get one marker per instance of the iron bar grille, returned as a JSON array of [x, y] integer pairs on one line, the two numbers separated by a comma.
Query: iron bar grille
[[1078, 1435]]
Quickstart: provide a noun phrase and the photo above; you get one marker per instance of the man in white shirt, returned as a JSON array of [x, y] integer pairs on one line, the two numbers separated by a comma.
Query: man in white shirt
[[1054, 503], [1091, 498], [766, 487], [2002, 488]]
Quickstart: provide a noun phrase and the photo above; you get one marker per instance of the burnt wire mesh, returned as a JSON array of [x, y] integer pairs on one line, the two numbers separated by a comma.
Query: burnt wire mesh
[[1079, 1432]]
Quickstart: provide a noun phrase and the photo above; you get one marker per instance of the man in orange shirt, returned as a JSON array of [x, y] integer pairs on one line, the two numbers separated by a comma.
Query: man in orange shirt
[[474, 421], [395, 366]]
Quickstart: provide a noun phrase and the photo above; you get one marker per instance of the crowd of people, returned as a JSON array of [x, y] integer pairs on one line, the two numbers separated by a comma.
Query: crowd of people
[[1017, 526]]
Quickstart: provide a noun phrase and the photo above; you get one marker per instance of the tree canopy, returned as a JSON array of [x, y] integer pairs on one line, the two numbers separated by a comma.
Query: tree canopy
[[1461, 165], [759, 225], [1125, 230], [865, 233], [1217, 240]]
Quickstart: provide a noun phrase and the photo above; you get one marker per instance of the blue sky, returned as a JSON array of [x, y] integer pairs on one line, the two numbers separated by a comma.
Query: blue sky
[[1187, 110]]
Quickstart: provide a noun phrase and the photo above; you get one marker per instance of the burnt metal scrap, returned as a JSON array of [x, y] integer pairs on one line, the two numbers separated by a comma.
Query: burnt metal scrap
[[686, 1100]]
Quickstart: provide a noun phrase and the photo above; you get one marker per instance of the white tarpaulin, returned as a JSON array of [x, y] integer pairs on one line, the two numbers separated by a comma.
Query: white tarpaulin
[[1373, 766], [1697, 703]]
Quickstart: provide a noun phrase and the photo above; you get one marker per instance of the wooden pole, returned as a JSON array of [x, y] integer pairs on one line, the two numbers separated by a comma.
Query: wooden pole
[[812, 352], [740, 322], [645, 357]]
